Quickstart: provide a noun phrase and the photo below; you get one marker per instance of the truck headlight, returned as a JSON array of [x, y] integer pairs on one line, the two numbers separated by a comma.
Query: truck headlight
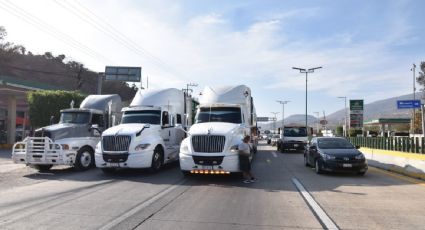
[[184, 148], [97, 148], [234, 148], [65, 146], [141, 147]]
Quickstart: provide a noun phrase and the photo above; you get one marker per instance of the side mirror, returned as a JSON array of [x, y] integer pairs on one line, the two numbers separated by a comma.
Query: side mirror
[[312, 147], [357, 146]]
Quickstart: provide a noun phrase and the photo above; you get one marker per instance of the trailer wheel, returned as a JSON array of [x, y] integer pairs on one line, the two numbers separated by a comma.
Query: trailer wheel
[[157, 161], [84, 159], [43, 168]]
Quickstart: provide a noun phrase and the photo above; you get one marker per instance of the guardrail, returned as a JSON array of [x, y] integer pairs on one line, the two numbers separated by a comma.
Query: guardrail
[[402, 144]]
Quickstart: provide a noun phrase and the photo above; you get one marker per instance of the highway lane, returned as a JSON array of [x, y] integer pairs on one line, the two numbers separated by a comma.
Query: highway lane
[[136, 199]]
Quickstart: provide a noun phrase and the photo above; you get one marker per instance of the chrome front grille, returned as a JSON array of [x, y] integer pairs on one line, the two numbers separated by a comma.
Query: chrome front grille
[[116, 143], [208, 143]]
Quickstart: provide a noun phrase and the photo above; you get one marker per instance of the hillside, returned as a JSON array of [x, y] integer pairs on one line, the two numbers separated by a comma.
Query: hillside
[[57, 71]]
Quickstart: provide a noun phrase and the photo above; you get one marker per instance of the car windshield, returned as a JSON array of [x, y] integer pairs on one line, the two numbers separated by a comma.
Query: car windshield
[[142, 116], [294, 132], [334, 144], [75, 117], [219, 114]]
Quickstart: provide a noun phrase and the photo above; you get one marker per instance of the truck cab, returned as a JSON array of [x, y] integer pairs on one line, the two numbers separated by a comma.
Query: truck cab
[[292, 137], [224, 116], [149, 134], [72, 141]]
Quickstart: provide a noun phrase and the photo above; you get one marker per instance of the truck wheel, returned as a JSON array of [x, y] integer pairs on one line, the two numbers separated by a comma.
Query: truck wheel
[[84, 159], [157, 161], [43, 168]]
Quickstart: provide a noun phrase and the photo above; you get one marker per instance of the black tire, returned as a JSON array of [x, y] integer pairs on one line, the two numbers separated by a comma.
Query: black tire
[[157, 160], [317, 167], [108, 170], [43, 168], [269, 141], [306, 164], [84, 159]]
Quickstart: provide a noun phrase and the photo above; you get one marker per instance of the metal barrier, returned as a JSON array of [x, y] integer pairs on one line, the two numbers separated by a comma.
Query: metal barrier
[[402, 144]]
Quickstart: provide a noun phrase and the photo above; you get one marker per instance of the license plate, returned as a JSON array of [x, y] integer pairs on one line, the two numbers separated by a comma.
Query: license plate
[[116, 165], [295, 145], [207, 167], [347, 165], [37, 159]]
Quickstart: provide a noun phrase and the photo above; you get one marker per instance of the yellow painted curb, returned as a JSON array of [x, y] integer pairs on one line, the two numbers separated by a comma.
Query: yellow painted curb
[[396, 174], [415, 156]]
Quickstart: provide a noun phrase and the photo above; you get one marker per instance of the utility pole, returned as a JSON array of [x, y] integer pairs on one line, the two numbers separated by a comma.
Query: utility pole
[[345, 115], [274, 122], [414, 97], [317, 122]]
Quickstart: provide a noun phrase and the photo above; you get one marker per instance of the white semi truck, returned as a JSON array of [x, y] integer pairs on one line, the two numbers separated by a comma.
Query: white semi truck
[[72, 141], [224, 116], [150, 133]]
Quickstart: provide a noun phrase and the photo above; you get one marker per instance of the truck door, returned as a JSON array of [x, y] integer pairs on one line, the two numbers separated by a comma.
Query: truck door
[[167, 134]]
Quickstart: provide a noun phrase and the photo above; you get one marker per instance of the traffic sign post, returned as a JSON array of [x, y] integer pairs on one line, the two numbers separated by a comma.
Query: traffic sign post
[[408, 104], [356, 114]]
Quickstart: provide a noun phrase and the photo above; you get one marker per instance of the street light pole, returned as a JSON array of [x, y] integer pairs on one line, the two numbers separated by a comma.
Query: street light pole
[[345, 115], [283, 111], [274, 122], [306, 71]]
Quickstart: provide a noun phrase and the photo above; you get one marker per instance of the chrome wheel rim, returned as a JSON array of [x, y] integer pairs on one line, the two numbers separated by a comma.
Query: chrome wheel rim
[[85, 159], [156, 161]]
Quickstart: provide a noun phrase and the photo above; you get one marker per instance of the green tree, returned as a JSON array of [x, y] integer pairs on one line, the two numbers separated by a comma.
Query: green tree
[[421, 78], [46, 103]]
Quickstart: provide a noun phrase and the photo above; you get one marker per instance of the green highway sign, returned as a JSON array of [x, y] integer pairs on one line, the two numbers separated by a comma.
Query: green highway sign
[[356, 104]]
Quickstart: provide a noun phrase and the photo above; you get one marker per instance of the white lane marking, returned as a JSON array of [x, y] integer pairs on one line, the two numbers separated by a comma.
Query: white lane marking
[[139, 207], [324, 218], [274, 154]]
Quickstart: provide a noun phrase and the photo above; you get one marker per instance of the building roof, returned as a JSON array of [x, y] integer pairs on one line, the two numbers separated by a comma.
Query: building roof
[[387, 121], [24, 84]]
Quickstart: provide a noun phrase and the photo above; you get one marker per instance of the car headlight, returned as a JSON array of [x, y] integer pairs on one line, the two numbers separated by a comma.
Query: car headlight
[[327, 157], [360, 157], [234, 148], [141, 147], [65, 146]]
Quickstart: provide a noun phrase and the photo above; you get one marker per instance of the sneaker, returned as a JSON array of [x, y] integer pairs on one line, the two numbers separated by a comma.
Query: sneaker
[[253, 180], [247, 181]]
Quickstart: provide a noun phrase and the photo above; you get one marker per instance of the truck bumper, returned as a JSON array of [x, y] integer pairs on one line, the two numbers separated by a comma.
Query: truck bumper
[[124, 160], [48, 153], [212, 164]]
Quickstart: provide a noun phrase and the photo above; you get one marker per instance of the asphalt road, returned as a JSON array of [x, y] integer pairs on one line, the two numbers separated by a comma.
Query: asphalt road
[[287, 196]]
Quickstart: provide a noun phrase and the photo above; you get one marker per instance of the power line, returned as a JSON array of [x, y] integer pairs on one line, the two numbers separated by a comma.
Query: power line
[[126, 39], [102, 25], [47, 28]]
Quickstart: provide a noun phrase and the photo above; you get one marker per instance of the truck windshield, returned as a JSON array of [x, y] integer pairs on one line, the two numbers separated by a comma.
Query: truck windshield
[[142, 116], [75, 117], [219, 114], [294, 132]]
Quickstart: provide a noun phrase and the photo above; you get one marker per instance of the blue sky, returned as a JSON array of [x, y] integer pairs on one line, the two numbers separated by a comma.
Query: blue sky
[[366, 48]]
